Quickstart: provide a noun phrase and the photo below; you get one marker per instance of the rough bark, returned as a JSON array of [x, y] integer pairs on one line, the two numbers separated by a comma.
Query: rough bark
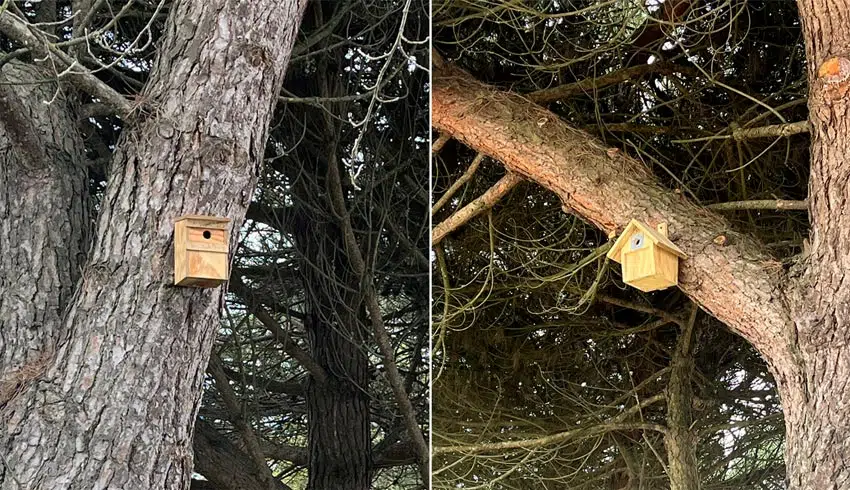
[[340, 406], [43, 221], [681, 439], [817, 419], [336, 332], [116, 407]]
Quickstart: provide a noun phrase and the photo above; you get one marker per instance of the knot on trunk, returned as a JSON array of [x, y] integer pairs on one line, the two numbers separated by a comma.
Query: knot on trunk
[[833, 78]]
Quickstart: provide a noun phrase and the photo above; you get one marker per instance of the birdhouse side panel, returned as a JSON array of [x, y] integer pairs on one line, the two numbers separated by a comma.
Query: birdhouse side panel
[[180, 263]]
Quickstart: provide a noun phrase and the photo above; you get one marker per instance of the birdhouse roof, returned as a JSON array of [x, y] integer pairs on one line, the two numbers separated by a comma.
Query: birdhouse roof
[[217, 219], [196, 221], [651, 234]]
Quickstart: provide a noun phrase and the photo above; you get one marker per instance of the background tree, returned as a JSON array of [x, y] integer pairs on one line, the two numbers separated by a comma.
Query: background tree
[[582, 380], [335, 187], [119, 117]]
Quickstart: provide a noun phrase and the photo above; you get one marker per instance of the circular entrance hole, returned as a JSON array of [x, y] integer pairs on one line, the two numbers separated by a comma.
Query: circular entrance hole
[[637, 241], [207, 234]]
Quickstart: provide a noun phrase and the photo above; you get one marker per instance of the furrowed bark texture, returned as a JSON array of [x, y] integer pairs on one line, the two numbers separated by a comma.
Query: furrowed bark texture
[[117, 407], [739, 283], [340, 452], [817, 423], [338, 416], [681, 439], [43, 221]]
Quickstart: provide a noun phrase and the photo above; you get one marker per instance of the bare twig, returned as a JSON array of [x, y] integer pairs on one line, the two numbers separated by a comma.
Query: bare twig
[[18, 29], [583, 432], [458, 183], [774, 131], [289, 345], [482, 203], [592, 84]]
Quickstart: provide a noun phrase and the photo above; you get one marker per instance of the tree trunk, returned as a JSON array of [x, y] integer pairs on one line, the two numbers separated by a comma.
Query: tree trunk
[[339, 439], [44, 221], [338, 415], [680, 438], [116, 406], [817, 409]]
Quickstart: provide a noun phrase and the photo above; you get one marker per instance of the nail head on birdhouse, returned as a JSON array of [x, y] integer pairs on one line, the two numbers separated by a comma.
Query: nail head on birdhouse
[[650, 261], [201, 251]]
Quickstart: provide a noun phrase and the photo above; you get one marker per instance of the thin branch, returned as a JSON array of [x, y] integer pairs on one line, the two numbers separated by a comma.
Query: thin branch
[[281, 335], [663, 314], [775, 417], [398, 454], [596, 83], [765, 204], [458, 183], [222, 462], [19, 30], [234, 408], [773, 131], [439, 143], [735, 132], [547, 440], [482, 203]]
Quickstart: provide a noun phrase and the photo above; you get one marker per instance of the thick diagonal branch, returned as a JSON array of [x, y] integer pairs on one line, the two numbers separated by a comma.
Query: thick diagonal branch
[[738, 282]]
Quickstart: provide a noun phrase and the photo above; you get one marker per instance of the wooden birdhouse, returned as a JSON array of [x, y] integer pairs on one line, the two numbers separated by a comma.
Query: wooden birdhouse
[[201, 251], [650, 260]]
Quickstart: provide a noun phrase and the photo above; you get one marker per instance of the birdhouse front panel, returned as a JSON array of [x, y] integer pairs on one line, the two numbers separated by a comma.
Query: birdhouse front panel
[[206, 239], [650, 268], [201, 251]]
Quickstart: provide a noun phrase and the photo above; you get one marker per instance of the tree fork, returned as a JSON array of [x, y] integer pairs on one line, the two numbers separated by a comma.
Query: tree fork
[[132, 338]]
